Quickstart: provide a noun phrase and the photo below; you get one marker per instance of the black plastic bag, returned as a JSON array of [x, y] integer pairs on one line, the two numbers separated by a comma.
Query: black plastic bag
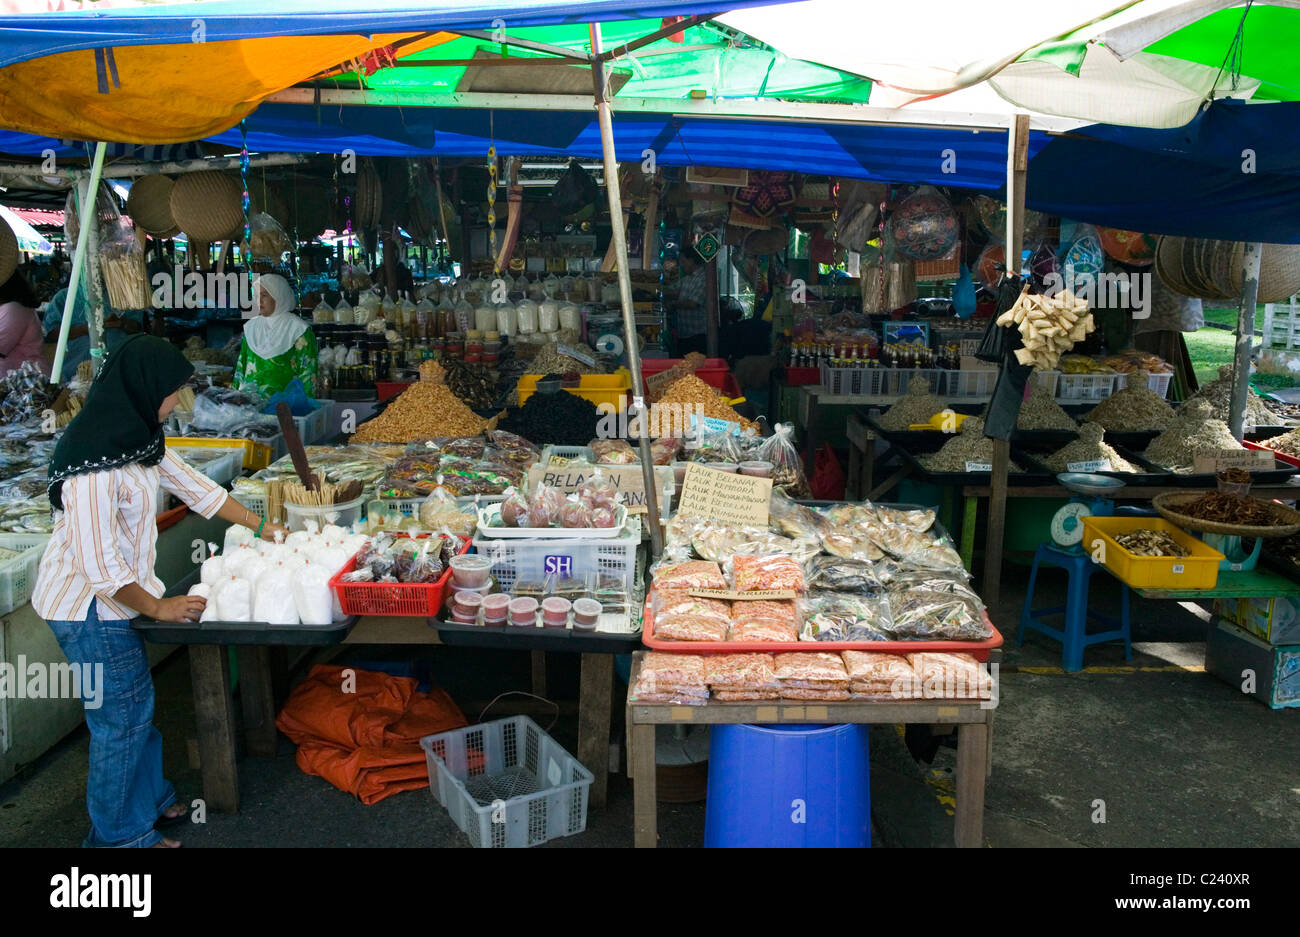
[[1009, 392], [575, 190]]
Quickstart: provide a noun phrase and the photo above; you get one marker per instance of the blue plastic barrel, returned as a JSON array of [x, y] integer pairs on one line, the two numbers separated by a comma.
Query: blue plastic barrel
[[795, 786]]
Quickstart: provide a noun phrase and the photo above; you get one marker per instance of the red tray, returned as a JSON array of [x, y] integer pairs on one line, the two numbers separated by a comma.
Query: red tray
[[713, 372], [410, 599], [797, 377], [1280, 456], [977, 649], [389, 389]]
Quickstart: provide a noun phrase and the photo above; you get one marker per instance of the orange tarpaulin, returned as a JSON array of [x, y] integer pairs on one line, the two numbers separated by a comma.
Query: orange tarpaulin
[[366, 742], [170, 93]]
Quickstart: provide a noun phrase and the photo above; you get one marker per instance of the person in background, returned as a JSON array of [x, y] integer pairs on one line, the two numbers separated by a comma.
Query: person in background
[[277, 345], [20, 329], [97, 573], [692, 304], [118, 326]]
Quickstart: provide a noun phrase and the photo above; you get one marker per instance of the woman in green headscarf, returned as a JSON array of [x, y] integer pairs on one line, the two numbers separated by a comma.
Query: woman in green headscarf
[[97, 574], [277, 345]]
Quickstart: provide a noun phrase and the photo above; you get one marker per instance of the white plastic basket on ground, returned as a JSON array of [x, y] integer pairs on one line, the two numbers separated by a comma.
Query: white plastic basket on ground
[[506, 783]]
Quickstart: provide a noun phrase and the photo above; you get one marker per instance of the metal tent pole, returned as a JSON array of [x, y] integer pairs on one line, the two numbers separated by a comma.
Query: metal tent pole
[[87, 217], [612, 189], [1017, 167], [1245, 334]]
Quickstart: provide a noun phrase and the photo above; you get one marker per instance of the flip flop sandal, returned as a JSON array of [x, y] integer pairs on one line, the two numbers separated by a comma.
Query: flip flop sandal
[[165, 822]]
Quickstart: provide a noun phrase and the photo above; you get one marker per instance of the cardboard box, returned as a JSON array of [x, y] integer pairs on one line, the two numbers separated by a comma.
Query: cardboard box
[[1276, 620], [1270, 674]]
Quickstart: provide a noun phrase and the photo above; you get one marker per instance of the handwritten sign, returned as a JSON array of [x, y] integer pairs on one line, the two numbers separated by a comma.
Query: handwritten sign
[[1252, 460], [1095, 465], [725, 496], [979, 466], [628, 479], [570, 352], [656, 384], [714, 425], [729, 595]]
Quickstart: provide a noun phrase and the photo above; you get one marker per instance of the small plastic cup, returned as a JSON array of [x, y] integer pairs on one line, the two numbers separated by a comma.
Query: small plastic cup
[[679, 472], [757, 469], [482, 590], [555, 612], [470, 570], [722, 466], [586, 614], [467, 602], [496, 610], [523, 611]]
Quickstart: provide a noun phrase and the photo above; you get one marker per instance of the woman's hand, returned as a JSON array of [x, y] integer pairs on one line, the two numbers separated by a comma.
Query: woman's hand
[[269, 531], [180, 608]]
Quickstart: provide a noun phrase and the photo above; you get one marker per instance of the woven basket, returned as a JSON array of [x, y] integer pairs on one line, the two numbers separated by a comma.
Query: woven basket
[[1167, 252], [149, 206], [8, 252], [1168, 506], [1279, 273], [208, 206]]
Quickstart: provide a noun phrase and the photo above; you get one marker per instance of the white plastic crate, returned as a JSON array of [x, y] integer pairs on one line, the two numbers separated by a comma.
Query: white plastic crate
[[1158, 382], [970, 383], [506, 783], [18, 574], [255, 503], [855, 381], [515, 560], [315, 427], [1085, 386], [901, 378], [567, 452], [223, 469]]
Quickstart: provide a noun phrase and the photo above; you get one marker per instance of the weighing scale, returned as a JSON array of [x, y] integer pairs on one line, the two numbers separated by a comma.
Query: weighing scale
[[1096, 498]]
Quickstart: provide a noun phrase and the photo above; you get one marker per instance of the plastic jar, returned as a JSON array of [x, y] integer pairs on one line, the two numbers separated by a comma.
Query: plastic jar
[[485, 317], [508, 318], [586, 614], [757, 469], [555, 612], [496, 609], [470, 570], [523, 611], [722, 466]]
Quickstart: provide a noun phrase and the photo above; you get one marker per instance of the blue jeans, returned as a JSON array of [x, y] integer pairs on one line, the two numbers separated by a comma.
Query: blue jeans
[[126, 792]]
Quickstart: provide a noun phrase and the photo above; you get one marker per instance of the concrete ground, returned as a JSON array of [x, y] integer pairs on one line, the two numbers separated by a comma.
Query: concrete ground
[[1167, 754]]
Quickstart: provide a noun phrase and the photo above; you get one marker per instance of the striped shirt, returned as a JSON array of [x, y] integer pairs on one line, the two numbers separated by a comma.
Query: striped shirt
[[107, 533]]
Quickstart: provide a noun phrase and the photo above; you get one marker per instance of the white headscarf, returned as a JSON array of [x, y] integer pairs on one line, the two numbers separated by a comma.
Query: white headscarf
[[273, 335]]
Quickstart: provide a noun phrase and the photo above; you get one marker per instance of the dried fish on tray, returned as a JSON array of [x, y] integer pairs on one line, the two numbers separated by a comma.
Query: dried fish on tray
[[1147, 542]]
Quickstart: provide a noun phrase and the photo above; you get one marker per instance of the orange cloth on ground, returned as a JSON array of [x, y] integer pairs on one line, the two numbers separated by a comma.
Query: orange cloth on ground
[[367, 742]]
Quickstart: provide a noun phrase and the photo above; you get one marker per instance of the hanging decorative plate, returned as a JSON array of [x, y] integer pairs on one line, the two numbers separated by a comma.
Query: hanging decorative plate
[[924, 226], [1129, 247]]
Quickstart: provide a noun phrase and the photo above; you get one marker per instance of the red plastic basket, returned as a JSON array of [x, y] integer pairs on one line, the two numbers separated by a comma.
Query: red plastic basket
[[389, 389], [1280, 456], [412, 599], [977, 649]]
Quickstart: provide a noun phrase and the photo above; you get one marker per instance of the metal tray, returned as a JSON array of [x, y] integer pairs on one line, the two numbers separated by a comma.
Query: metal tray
[[238, 632], [454, 634], [1275, 476], [910, 435], [1155, 475], [922, 446]]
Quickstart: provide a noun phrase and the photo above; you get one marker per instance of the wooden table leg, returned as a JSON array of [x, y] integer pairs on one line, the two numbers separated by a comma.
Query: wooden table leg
[[988, 749], [972, 753], [969, 517], [645, 808], [595, 700], [539, 672], [868, 468], [257, 698], [215, 715]]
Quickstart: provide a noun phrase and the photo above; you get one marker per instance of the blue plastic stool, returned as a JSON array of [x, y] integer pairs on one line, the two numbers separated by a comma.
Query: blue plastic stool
[[790, 786], [1074, 638]]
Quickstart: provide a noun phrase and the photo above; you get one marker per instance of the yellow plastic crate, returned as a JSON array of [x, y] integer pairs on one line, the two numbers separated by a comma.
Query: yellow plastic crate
[[612, 389], [256, 455], [1200, 570]]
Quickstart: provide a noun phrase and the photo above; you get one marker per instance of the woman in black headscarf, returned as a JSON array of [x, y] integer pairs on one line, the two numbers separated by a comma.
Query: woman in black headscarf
[[97, 574]]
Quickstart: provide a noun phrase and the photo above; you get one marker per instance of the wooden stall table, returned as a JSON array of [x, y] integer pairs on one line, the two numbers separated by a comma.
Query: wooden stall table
[[973, 719], [214, 705]]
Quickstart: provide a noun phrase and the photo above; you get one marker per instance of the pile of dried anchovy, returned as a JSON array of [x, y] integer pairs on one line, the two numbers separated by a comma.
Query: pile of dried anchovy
[[1147, 542]]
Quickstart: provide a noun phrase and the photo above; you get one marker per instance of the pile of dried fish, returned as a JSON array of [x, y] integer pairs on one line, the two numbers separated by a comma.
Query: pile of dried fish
[[1134, 408], [916, 406], [1147, 542], [1229, 509], [1191, 431], [1287, 443], [1218, 393], [969, 445], [1040, 411], [1089, 448], [472, 383]]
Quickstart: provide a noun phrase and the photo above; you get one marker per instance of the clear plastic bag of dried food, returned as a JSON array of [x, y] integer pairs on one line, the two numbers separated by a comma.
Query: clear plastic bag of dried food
[[671, 603], [917, 519], [832, 574], [739, 672], [762, 573], [613, 451], [837, 616], [712, 446], [688, 574], [893, 572], [787, 465], [794, 520], [922, 614]]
